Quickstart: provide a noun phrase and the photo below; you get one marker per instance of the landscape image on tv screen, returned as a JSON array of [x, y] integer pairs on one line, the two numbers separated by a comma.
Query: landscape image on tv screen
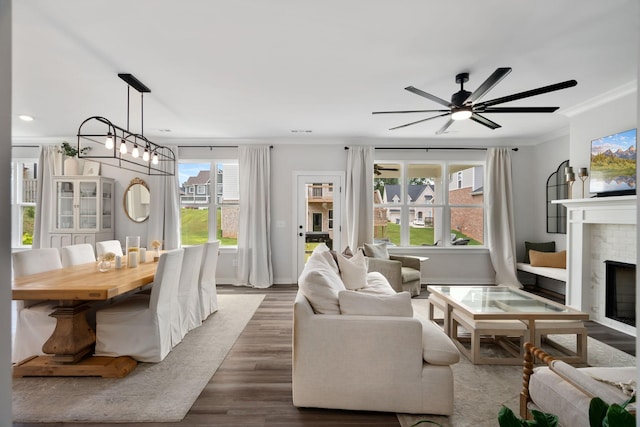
[[613, 164]]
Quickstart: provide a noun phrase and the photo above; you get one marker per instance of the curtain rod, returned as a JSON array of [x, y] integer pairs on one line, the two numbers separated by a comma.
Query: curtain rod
[[433, 148], [211, 147]]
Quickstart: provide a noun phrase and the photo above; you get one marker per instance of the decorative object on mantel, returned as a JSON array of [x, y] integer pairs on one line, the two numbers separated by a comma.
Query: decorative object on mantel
[[583, 173], [557, 189], [570, 178], [155, 244], [104, 263], [71, 166], [122, 148]]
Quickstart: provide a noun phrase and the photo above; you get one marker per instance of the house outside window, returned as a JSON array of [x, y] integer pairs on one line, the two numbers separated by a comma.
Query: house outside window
[[209, 202], [426, 204], [24, 174]]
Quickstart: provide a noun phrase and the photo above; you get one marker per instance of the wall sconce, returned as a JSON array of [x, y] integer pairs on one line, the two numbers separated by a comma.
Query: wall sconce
[[570, 178], [101, 135], [583, 173]]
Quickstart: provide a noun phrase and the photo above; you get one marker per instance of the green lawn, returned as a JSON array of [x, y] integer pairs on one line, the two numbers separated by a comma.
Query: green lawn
[[419, 235], [195, 228]]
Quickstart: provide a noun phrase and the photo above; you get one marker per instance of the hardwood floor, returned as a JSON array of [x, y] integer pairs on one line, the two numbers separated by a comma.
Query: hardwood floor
[[252, 387]]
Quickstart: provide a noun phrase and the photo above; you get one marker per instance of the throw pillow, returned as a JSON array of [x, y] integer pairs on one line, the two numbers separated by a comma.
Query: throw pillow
[[323, 250], [376, 250], [548, 259], [377, 284], [353, 271], [320, 284], [359, 304], [540, 247]]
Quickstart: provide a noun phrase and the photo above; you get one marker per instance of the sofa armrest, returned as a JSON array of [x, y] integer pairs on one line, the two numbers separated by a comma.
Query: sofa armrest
[[391, 269], [410, 261]]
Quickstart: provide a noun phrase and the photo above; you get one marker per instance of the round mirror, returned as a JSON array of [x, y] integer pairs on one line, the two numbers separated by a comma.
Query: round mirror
[[137, 199]]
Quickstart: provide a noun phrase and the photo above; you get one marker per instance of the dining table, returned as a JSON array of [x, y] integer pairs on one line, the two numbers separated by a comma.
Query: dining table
[[75, 289]]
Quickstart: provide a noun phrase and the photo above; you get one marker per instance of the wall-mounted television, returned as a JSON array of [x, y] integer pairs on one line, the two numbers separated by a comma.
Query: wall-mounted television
[[613, 164]]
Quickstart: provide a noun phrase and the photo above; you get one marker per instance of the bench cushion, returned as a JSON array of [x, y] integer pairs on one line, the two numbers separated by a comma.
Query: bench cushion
[[553, 273]]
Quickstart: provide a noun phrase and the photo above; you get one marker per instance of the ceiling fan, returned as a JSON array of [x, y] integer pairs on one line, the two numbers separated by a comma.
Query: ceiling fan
[[465, 105], [377, 169]]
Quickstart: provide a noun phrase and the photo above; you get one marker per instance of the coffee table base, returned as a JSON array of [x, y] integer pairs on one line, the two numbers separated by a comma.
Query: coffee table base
[[94, 366]]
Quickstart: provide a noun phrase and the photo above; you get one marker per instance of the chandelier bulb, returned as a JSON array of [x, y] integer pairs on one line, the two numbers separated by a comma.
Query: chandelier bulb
[[145, 155], [123, 147], [135, 153], [108, 143], [154, 160]]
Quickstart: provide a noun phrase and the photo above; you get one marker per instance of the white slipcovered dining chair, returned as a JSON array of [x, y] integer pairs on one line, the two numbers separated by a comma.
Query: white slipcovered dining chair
[[34, 326], [109, 246], [77, 254], [188, 317], [140, 326], [207, 283]]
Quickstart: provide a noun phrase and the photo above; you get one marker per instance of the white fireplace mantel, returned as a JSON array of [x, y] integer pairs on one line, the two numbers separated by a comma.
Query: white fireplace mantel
[[581, 214]]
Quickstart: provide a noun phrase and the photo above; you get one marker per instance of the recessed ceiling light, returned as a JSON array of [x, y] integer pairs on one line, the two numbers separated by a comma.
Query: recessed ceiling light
[[26, 118], [301, 131], [164, 130]]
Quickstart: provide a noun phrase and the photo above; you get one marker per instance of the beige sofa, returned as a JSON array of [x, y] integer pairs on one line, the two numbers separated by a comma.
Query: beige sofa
[[563, 390], [363, 361]]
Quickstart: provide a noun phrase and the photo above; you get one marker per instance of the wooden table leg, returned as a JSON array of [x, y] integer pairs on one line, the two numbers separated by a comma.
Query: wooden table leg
[[68, 347]]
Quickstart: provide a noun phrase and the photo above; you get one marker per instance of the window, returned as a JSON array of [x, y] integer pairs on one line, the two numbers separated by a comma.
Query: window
[[23, 201], [426, 204], [205, 216]]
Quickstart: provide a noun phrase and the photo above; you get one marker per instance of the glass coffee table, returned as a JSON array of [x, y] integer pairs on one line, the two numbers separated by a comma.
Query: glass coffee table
[[502, 311]]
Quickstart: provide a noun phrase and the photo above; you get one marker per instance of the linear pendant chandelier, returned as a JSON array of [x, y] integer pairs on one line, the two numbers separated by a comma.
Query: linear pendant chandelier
[[115, 146]]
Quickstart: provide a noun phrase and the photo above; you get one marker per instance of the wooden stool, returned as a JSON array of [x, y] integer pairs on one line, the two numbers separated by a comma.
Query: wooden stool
[[498, 330]]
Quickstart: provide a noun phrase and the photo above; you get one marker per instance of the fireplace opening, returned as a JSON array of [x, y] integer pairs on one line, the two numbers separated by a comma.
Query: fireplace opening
[[620, 292]]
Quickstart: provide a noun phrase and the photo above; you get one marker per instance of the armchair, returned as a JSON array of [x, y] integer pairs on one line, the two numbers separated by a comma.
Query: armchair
[[402, 271]]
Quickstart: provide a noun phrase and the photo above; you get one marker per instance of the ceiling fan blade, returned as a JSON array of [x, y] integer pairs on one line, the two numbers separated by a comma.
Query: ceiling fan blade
[[484, 121], [488, 84], [428, 96], [528, 93], [410, 111], [419, 121], [518, 110], [445, 127]]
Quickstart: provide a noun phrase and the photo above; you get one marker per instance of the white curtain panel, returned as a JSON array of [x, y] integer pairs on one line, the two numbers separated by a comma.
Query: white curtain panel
[[254, 234], [50, 164], [359, 197], [500, 216], [164, 220]]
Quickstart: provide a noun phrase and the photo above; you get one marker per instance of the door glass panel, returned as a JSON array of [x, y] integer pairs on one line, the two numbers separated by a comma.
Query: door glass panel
[[107, 190], [319, 226], [88, 205]]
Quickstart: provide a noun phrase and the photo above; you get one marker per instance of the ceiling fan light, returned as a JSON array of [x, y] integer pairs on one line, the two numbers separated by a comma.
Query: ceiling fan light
[[462, 113]]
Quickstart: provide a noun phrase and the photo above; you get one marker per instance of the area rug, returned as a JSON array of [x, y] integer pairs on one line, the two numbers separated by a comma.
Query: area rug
[[481, 390], [153, 392]]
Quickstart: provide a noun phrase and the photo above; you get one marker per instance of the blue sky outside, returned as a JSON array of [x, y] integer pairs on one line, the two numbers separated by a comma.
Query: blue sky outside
[[619, 141], [186, 170]]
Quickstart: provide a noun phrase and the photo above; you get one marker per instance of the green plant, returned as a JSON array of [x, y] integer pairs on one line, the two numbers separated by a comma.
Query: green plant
[[506, 418], [603, 415], [70, 151]]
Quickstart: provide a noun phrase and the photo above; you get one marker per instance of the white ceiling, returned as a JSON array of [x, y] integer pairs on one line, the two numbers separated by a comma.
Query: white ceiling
[[247, 69]]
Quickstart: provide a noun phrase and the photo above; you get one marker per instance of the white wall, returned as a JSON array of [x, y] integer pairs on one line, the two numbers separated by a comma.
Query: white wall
[[5, 230]]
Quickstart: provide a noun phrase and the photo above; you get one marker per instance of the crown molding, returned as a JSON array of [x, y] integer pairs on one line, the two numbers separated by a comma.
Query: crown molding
[[596, 101]]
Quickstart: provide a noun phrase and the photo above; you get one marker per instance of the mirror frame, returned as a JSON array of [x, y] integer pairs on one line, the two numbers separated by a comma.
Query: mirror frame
[[134, 181]]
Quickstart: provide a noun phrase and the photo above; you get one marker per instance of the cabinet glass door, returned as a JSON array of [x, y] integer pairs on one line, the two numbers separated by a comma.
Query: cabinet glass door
[[65, 205], [107, 193], [88, 204]]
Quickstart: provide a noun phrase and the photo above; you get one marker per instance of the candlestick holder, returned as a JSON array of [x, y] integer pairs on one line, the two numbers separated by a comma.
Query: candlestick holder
[[570, 178], [583, 174]]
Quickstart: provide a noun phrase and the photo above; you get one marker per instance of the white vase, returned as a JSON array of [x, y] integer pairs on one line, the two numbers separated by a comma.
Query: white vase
[[71, 166]]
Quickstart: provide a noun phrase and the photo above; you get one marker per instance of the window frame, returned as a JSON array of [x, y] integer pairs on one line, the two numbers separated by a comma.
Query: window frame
[[214, 202], [405, 205], [17, 202]]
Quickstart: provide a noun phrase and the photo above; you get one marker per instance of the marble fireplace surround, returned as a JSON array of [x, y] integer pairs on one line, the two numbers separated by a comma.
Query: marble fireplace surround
[[598, 229]]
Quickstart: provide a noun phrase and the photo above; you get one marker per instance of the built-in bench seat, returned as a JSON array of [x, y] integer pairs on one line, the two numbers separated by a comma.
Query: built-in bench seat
[[550, 272]]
